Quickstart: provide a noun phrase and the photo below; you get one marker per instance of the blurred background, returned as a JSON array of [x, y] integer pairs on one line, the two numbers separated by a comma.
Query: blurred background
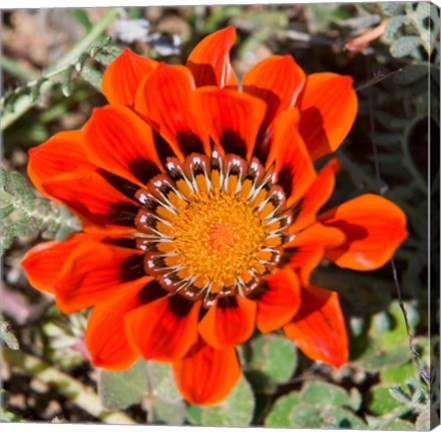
[[52, 65]]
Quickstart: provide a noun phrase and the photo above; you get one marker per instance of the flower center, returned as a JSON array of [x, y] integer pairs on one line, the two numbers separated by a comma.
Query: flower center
[[212, 227], [218, 236]]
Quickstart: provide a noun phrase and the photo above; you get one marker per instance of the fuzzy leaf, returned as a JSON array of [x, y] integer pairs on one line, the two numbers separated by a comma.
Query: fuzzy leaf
[[380, 401], [236, 410], [405, 46], [122, 389], [161, 380], [321, 394], [279, 416], [273, 359]]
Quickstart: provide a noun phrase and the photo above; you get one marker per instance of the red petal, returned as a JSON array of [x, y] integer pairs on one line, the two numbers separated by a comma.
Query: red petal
[[164, 329], [106, 339], [306, 208], [319, 327], [293, 164], [93, 198], [168, 101], [62, 153], [232, 118], [120, 142], [229, 321], [276, 80], [206, 375], [374, 228], [209, 61], [328, 108], [279, 302], [122, 77], [306, 250], [43, 262], [94, 272]]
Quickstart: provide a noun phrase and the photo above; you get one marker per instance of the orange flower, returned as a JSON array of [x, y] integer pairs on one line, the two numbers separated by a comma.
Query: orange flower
[[199, 203]]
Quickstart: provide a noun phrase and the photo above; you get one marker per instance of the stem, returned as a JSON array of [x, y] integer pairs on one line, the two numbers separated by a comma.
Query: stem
[[15, 69], [25, 102], [81, 395]]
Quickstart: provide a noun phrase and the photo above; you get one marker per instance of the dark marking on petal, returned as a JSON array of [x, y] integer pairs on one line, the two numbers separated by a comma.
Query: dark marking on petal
[[263, 145], [227, 302], [180, 306], [233, 143], [123, 214], [129, 243], [151, 292], [296, 209], [189, 142], [162, 147], [144, 169], [285, 180], [132, 268], [123, 185]]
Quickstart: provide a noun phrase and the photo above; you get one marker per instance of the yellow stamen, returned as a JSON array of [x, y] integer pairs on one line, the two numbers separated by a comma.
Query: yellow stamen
[[218, 236]]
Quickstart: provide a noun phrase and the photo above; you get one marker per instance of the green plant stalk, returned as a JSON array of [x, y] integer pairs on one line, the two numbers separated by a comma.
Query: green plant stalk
[[15, 69], [25, 102], [66, 385]]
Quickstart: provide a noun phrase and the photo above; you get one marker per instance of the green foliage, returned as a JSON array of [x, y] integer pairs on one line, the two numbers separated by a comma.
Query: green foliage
[[272, 361], [119, 390], [103, 52], [412, 24], [24, 214], [235, 410], [317, 405]]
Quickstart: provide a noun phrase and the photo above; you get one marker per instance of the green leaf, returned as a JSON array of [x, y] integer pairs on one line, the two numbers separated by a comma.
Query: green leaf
[[394, 24], [398, 374], [279, 416], [81, 16], [169, 413], [323, 394], [161, 381], [380, 401], [122, 389], [395, 336], [398, 424], [305, 416], [405, 46], [234, 411], [337, 417], [378, 360], [274, 356]]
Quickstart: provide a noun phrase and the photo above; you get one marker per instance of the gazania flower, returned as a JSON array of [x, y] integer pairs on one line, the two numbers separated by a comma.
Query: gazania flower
[[199, 201]]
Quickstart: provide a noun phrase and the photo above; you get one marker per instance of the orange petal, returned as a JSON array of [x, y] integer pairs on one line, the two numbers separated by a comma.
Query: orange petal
[[122, 77], [164, 329], [328, 108], [206, 375], [229, 321], [277, 81], [44, 262], [93, 198], [106, 339], [209, 61], [279, 301], [319, 327], [64, 152], [120, 142], [305, 209], [94, 272], [307, 248], [294, 167], [233, 119], [166, 98], [374, 228]]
